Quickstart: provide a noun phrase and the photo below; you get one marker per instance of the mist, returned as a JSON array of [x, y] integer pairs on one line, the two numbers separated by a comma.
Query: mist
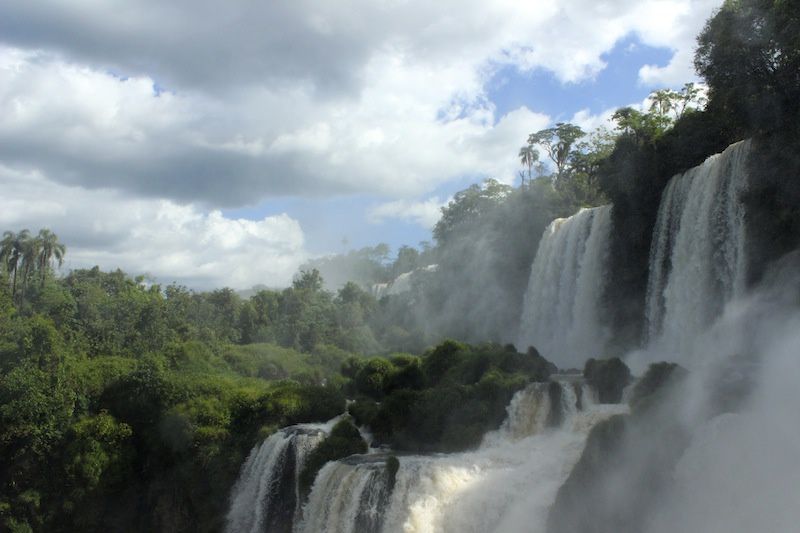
[[740, 471], [717, 450]]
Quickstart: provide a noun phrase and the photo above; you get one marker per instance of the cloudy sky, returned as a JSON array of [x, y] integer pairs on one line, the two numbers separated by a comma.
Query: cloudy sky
[[224, 143]]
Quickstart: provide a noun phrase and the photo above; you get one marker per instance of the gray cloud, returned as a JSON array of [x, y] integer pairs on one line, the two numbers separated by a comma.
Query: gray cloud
[[287, 98], [200, 42], [202, 105]]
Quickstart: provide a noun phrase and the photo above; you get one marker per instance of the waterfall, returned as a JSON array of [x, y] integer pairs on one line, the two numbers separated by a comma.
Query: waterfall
[[510, 482], [348, 496], [562, 308], [266, 497], [697, 257], [507, 485]]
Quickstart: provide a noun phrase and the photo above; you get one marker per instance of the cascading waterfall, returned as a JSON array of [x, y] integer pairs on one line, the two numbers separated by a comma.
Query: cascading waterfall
[[349, 496], [697, 258], [562, 308], [266, 497], [507, 485], [697, 265]]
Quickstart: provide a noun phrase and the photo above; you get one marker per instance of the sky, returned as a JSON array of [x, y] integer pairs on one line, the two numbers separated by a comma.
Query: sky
[[224, 144]]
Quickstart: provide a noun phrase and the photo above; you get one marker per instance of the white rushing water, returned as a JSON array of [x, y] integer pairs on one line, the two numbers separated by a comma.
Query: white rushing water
[[736, 409], [562, 309], [265, 497], [698, 255], [740, 472], [402, 283], [507, 485], [349, 496]]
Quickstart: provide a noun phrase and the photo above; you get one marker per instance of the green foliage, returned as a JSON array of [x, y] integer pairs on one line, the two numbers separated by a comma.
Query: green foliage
[[557, 143], [442, 359], [469, 207], [749, 53], [344, 440], [373, 377], [462, 393], [363, 411], [96, 452]]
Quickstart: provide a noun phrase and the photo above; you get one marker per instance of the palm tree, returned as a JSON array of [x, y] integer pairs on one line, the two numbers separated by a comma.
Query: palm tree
[[30, 259], [11, 252], [528, 155], [49, 248]]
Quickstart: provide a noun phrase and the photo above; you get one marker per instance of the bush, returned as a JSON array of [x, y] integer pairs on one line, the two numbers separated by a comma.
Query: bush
[[373, 378], [343, 441]]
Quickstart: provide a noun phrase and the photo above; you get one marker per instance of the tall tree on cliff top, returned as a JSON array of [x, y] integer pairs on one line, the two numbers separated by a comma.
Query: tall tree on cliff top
[[749, 53], [557, 143]]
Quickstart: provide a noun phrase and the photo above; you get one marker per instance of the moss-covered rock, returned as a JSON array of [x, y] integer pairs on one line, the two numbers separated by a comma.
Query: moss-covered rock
[[344, 440], [608, 377]]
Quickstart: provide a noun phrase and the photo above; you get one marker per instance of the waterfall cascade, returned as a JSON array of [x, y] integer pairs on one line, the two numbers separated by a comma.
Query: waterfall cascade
[[349, 496], [506, 485], [266, 497], [402, 283], [697, 264], [697, 257], [562, 308]]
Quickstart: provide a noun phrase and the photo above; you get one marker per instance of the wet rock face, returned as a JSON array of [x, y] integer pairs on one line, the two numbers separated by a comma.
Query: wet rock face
[[654, 383], [579, 505], [555, 416], [608, 377], [621, 476]]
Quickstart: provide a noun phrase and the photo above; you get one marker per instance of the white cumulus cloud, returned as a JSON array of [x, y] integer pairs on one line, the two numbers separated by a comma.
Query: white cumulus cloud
[[160, 238]]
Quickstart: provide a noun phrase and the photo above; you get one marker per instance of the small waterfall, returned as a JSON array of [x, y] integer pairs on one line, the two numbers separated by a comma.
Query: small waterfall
[[562, 308], [266, 496], [509, 483], [697, 257], [348, 496]]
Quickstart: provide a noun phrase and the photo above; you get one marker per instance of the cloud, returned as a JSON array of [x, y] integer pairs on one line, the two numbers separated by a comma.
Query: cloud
[[425, 213], [127, 126], [227, 106], [685, 22], [160, 238]]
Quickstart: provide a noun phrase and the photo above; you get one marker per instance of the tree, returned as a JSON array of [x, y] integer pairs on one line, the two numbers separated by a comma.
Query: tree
[[469, 205], [749, 53], [406, 261], [308, 280], [12, 249], [642, 127], [557, 143], [528, 156], [49, 249], [30, 258]]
